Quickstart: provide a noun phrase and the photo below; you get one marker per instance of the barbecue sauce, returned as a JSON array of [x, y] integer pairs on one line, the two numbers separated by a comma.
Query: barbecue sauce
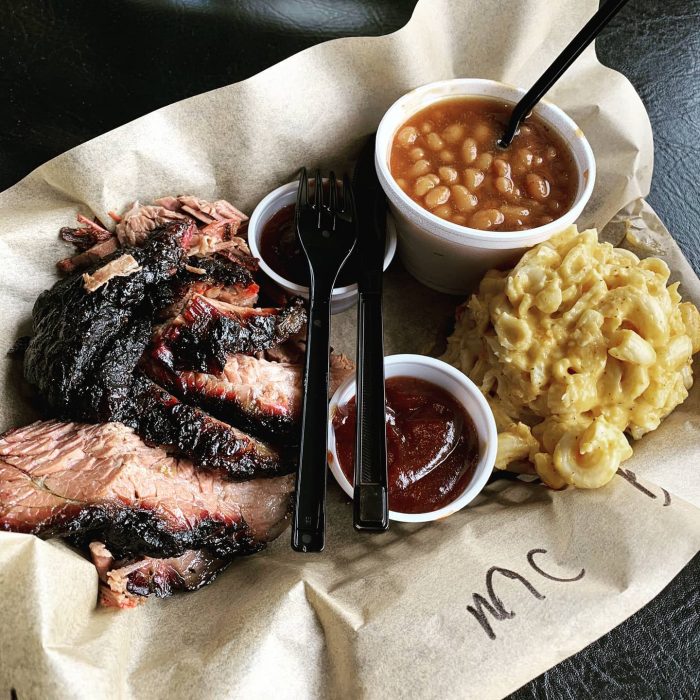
[[432, 446], [281, 250]]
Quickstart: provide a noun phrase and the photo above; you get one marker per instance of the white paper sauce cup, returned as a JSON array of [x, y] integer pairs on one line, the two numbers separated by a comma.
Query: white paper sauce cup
[[343, 298], [464, 391], [444, 255]]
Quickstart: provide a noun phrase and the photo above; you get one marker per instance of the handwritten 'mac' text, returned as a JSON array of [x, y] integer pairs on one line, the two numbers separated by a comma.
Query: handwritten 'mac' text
[[493, 605]]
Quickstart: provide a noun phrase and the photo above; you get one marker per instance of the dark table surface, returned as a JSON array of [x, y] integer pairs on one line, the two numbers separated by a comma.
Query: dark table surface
[[72, 70]]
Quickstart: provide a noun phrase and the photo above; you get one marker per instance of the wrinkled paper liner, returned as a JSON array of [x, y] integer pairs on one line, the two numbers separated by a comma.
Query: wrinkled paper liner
[[407, 612]]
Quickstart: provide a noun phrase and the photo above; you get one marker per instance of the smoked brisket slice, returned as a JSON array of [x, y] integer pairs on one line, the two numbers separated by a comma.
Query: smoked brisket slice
[[86, 346], [208, 331], [211, 277], [127, 582], [260, 395], [74, 331], [101, 482], [161, 419]]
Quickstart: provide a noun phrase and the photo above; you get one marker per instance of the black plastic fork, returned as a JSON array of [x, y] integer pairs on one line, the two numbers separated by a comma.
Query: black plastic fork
[[327, 229]]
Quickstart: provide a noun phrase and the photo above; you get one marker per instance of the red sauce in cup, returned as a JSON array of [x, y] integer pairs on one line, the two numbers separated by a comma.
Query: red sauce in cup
[[281, 250], [432, 445]]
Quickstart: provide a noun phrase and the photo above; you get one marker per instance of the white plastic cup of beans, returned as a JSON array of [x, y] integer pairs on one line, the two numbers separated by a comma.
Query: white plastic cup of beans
[[461, 205]]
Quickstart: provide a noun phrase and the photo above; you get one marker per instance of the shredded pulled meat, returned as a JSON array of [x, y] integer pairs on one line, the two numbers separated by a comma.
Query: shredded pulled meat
[[219, 219], [201, 210], [138, 221], [221, 230]]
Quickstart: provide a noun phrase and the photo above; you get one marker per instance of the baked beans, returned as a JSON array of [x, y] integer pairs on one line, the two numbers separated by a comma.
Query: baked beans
[[446, 159]]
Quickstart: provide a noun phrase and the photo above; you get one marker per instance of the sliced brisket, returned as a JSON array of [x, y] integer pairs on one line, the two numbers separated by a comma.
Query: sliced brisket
[[86, 346], [161, 419], [208, 331], [212, 277], [100, 482], [127, 582], [170, 509], [73, 330], [260, 395]]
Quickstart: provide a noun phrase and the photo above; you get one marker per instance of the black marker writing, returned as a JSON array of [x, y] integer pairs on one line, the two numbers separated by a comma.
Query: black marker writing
[[631, 478], [541, 572], [495, 606]]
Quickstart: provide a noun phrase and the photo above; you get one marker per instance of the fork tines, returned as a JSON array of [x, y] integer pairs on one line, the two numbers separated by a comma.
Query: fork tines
[[339, 200]]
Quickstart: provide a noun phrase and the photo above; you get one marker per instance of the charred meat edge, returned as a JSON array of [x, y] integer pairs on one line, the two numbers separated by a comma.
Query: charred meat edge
[[73, 330], [161, 419], [96, 380], [100, 482], [207, 332], [262, 396], [127, 582]]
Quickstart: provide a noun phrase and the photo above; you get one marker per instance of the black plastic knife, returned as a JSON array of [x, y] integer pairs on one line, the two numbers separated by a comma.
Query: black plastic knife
[[371, 498]]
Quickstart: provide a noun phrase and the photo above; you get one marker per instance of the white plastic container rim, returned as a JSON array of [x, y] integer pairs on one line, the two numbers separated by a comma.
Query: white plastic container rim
[[420, 98], [273, 202], [458, 386]]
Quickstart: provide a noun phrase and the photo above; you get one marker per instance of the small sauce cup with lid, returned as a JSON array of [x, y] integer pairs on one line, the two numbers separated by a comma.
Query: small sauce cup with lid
[[452, 257], [344, 297], [464, 393]]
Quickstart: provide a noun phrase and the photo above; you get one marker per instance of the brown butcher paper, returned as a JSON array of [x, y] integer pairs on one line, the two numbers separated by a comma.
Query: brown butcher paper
[[472, 606]]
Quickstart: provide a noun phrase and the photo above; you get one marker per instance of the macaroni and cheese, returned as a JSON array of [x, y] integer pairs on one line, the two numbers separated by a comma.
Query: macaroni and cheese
[[575, 346]]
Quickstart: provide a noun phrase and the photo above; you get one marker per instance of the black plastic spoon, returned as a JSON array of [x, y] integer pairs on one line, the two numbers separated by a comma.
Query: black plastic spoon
[[593, 27]]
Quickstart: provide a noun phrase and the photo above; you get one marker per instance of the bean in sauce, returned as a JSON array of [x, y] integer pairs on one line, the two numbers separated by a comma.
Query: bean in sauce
[[446, 159]]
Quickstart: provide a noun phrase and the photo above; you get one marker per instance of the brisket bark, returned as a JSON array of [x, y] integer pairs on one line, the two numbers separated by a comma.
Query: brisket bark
[[161, 419], [155, 522], [86, 346], [208, 331], [125, 583], [75, 332], [262, 396], [212, 277], [101, 482]]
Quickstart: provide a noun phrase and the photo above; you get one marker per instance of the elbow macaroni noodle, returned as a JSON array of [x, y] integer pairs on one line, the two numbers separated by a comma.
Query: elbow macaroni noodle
[[575, 346]]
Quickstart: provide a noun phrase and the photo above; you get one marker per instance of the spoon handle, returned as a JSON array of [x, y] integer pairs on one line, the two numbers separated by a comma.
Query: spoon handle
[[574, 49]]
